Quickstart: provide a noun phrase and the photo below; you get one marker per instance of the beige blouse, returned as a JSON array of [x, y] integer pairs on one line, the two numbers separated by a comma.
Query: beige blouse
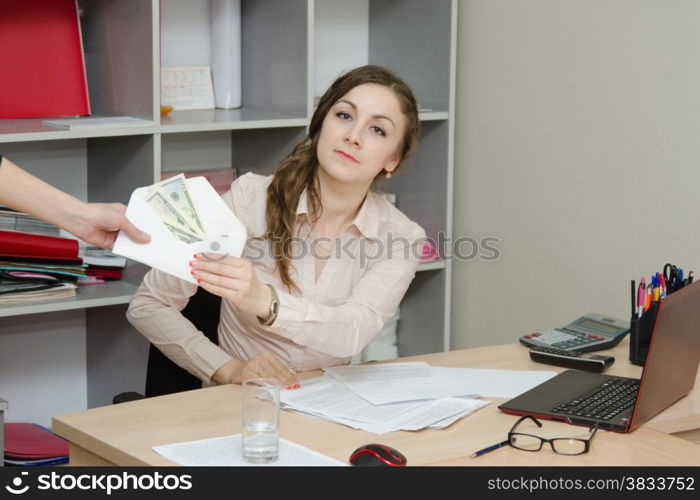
[[334, 317]]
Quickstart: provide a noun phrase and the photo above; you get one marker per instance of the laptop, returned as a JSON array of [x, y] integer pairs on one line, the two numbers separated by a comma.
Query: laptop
[[620, 403]]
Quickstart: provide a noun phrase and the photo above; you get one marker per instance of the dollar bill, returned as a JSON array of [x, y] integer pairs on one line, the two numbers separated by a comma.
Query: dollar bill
[[172, 219], [175, 190], [185, 237]]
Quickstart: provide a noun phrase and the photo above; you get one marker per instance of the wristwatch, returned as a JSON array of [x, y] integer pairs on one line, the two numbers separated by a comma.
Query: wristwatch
[[274, 307]]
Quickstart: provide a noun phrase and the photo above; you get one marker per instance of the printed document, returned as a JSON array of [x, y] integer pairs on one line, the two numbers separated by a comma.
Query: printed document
[[328, 398]]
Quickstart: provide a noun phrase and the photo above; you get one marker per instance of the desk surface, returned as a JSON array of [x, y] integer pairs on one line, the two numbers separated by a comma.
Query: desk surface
[[124, 434]]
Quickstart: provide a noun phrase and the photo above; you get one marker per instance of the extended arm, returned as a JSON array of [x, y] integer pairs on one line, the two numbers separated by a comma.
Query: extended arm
[[96, 223]]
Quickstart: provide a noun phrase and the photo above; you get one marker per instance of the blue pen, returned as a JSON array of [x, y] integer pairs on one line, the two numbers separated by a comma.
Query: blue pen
[[490, 448]]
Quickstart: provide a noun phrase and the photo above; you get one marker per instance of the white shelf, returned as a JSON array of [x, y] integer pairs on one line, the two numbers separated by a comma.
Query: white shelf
[[431, 266], [427, 116], [230, 119], [33, 129]]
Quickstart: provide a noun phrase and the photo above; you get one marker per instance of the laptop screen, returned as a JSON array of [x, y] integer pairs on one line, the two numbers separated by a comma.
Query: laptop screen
[[674, 353]]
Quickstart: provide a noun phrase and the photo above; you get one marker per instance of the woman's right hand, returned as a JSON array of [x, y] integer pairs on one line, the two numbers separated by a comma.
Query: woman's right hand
[[267, 365]]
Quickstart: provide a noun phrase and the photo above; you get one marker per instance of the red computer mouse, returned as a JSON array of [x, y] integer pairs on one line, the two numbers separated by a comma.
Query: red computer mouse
[[377, 455]]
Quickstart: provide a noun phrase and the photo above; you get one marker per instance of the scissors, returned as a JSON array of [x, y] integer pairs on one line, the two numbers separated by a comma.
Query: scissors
[[670, 275]]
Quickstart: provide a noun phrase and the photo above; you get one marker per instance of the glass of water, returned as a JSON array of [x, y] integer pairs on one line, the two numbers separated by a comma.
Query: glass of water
[[260, 409]]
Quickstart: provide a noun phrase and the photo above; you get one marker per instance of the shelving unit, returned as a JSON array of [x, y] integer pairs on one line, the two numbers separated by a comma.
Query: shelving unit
[[290, 49]]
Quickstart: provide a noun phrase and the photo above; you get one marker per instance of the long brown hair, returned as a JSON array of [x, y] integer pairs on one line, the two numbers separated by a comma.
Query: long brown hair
[[297, 171]]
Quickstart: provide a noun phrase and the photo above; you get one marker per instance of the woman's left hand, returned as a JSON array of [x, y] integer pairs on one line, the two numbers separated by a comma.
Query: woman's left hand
[[233, 279]]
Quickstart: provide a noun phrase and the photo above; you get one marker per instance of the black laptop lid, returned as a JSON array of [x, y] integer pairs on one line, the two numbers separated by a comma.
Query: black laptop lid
[[674, 353]]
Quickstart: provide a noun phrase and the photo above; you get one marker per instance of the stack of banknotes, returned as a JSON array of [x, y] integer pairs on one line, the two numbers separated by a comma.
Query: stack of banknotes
[[172, 202]]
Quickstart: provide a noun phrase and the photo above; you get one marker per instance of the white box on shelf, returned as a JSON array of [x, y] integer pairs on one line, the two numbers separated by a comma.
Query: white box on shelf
[[225, 48]]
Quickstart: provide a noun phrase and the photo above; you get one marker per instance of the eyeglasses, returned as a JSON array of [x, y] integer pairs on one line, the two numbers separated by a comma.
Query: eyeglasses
[[562, 446]]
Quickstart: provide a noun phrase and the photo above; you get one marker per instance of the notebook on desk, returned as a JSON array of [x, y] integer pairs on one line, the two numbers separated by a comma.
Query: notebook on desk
[[620, 403]]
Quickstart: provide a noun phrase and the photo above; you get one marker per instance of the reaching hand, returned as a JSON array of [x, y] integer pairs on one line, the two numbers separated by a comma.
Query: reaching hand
[[102, 222]]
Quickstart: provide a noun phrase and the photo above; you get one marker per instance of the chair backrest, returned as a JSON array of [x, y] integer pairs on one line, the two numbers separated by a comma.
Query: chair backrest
[[165, 377]]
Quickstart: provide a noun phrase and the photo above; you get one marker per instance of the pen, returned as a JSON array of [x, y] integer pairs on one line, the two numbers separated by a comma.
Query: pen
[[633, 289], [640, 297], [490, 448], [647, 300], [663, 286]]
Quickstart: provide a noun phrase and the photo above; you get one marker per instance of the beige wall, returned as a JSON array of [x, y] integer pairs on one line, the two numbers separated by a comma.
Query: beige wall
[[578, 145]]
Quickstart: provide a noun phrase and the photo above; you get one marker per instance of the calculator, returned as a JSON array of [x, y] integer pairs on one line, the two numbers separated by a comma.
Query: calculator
[[590, 332]]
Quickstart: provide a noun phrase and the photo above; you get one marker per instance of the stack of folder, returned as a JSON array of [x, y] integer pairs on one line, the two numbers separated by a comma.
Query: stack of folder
[[37, 267], [102, 264], [12, 220], [31, 444]]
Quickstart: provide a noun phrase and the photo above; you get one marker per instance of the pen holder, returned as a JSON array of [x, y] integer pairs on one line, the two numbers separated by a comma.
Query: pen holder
[[640, 334]]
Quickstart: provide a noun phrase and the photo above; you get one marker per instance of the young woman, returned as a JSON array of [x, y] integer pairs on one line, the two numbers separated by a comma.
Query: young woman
[[331, 259], [96, 223]]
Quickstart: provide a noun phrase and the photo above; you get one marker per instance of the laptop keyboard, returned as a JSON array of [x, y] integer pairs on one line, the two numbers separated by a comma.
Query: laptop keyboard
[[610, 398]]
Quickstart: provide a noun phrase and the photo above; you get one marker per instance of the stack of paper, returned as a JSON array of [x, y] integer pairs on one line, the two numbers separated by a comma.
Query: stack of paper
[[327, 398], [404, 396]]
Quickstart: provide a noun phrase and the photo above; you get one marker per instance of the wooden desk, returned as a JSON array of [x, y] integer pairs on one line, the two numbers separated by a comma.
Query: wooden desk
[[124, 434]]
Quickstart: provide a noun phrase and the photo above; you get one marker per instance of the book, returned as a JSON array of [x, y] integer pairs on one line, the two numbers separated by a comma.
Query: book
[[36, 463], [43, 55], [97, 122], [17, 244], [23, 281], [13, 220], [102, 258], [61, 271], [59, 291], [29, 441]]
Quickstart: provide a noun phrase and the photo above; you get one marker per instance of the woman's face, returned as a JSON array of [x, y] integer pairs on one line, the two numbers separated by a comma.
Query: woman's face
[[361, 135]]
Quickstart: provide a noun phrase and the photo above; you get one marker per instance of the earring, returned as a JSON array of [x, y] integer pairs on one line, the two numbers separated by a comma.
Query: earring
[[388, 175]]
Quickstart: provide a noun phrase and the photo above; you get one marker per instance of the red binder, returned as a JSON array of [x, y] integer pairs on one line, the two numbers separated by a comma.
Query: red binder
[[41, 56], [36, 246], [31, 441]]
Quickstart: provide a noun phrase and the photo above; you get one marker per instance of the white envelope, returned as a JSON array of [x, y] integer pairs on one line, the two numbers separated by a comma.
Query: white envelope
[[226, 234]]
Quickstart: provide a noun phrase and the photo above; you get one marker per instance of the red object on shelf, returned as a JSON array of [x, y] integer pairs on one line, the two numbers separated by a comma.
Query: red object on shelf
[[31, 441], [36, 246], [110, 274], [42, 60]]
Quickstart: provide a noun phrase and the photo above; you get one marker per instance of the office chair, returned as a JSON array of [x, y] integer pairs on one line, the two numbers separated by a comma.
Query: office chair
[[162, 375]]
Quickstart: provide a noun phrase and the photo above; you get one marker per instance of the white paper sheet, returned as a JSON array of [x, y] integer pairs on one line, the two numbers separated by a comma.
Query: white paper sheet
[[492, 383], [400, 382], [226, 451]]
